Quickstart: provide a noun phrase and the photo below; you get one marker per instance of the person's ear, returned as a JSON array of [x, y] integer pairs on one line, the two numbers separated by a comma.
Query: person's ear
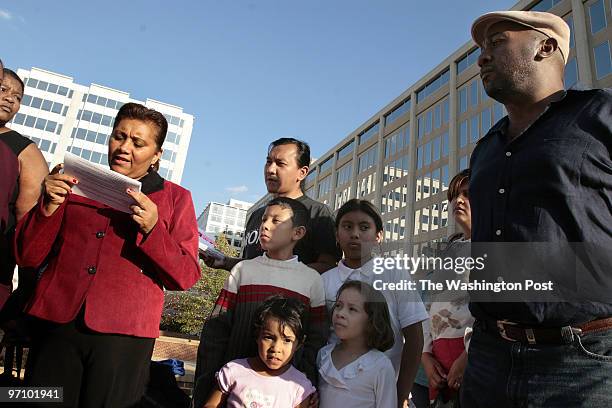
[[379, 236], [303, 172], [299, 232], [547, 48]]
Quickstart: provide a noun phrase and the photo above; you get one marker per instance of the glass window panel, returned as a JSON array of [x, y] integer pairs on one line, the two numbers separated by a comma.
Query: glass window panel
[[32, 82], [106, 120], [428, 121], [46, 105], [463, 163], [42, 85], [41, 123], [474, 93], [96, 118], [95, 157], [446, 111], [59, 129], [101, 138], [57, 107], [420, 157], [101, 101], [438, 116], [570, 23], [445, 180], [62, 91], [26, 101], [104, 159], [81, 134], [603, 64], [597, 16], [86, 116], [52, 88], [76, 150], [445, 144], [436, 149], [462, 99], [51, 125], [91, 136], [30, 120], [485, 121], [463, 133], [36, 102], [86, 154], [498, 111], [571, 73], [19, 118], [474, 131], [53, 146], [427, 154], [175, 121], [45, 145], [65, 110]]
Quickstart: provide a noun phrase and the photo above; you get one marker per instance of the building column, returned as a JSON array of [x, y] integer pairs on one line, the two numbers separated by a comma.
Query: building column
[[411, 177], [581, 43], [379, 164], [453, 148]]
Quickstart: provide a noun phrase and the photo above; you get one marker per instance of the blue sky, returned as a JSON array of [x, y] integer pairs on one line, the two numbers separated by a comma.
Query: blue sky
[[249, 71]]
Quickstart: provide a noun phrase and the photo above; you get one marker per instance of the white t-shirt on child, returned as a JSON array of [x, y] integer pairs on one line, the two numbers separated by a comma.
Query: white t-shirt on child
[[247, 388], [405, 306], [367, 382]]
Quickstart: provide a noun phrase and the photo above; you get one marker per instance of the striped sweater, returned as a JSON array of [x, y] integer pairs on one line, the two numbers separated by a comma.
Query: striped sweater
[[228, 335]]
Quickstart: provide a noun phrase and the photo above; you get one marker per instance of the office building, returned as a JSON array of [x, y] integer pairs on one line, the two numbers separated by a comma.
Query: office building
[[61, 115], [229, 219]]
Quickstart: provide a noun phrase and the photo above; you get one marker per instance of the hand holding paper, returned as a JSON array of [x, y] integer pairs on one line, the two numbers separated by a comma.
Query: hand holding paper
[[101, 183]]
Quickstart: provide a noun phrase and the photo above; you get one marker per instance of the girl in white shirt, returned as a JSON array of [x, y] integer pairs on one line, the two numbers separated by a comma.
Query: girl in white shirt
[[355, 372], [359, 229]]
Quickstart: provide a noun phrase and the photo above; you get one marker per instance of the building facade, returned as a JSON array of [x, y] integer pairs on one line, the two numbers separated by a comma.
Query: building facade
[[60, 115], [229, 219], [402, 158]]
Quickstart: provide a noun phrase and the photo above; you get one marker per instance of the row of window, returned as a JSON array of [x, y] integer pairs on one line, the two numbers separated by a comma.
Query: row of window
[[92, 156], [368, 159], [96, 118], [169, 155], [397, 142], [102, 101], [433, 86], [90, 136], [48, 87], [324, 186], [468, 60], [346, 149], [432, 183], [368, 133], [326, 165], [44, 104], [396, 112], [431, 218], [395, 229], [394, 199], [395, 170], [37, 123], [44, 144], [344, 174], [433, 118], [432, 151]]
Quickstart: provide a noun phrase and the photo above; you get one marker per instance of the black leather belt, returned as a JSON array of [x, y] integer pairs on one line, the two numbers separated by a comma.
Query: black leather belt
[[512, 331]]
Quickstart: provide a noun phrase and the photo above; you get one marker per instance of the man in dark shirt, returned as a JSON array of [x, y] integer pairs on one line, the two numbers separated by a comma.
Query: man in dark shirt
[[541, 176], [286, 167]]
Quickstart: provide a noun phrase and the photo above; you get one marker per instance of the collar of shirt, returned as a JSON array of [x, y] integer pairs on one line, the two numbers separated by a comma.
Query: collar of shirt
[[347, 273], [151, 182], [294, 258], [337, 377]]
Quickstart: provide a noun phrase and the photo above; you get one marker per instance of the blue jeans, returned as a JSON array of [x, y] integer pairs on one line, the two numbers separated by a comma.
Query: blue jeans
[[503, 373]]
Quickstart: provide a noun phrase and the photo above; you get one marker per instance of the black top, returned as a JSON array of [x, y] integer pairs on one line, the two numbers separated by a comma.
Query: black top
[[320, 235], [553, 185]]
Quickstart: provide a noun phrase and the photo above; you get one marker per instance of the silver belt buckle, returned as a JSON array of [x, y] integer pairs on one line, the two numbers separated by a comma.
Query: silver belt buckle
[[501, 328]]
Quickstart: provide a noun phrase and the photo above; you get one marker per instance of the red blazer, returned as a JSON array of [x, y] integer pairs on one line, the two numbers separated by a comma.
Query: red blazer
[[99, 259]]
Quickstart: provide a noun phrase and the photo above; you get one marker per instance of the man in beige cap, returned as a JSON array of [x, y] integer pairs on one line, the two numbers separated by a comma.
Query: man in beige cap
[[541, 174]]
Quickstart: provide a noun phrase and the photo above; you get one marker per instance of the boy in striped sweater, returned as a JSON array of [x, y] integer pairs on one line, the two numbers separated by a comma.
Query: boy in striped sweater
[[228, 334]]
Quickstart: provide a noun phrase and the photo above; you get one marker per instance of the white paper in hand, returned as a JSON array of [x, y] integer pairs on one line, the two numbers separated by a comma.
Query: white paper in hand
[[100, 183]]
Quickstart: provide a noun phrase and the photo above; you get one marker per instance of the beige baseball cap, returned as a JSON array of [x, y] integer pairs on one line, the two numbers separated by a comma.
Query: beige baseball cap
[[548, 24]]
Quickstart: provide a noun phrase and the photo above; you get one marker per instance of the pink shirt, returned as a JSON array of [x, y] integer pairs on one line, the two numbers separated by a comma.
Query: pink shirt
[[247, 388]]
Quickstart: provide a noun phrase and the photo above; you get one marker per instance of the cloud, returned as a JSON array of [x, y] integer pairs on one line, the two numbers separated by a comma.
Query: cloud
[[5, 15], [237, 189]]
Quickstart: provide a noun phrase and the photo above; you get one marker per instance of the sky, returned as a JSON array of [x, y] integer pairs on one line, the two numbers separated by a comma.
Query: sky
[[250, 71]]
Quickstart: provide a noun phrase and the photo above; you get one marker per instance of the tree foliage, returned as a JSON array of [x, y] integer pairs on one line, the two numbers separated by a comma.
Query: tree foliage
[[185, 312]]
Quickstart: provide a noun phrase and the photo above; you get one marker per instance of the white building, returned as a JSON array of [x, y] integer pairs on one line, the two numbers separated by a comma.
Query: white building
[[60, 115], [227, 218]]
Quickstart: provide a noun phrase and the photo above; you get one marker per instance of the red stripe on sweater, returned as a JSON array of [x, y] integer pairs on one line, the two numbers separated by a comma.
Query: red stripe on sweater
[[259, 293], [226, 299]]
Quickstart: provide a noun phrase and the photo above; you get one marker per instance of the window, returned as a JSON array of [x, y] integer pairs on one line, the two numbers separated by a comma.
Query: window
[[433, 86], [445, 144], [498, 111], [470, 58], [571, 73], [368, 133], [346, 150], [368, 159], [41, 123], [545, 5], [485, 121], [19, 118], [27, 100], [344, 174], [474, 131], [463, 163], [436, 149], [427, 154], [474, 93], [46, 105], [30, 120], [603, 64], [36, 102], [398, 111], [598, 16], [324, 186], [570, 23], [463, 100], [326, 165], [463, 134], [42, 85], [56, 108]]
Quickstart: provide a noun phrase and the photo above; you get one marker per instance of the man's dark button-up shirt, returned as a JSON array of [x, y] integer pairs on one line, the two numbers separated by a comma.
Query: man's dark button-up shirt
[[552, 184]]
